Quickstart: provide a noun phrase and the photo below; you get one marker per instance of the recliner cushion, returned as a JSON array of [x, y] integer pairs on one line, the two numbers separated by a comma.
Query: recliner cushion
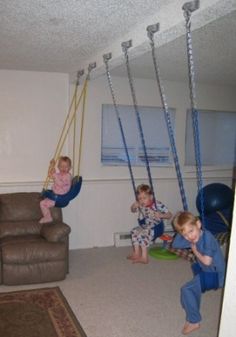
[[55, 232], [24, 206], [20, 206], [13, 240], [33, 252], [13, 228]]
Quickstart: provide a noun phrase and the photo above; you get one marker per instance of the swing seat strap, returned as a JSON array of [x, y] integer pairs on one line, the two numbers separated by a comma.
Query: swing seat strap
[[158, 230], [49, 194], [209, 279], [141, 222]]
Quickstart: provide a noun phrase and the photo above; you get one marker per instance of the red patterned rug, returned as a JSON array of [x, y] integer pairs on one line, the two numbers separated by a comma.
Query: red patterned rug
[[37, 313]]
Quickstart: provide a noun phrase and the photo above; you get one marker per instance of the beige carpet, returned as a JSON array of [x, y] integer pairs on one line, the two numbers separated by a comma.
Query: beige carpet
[[111, 297]]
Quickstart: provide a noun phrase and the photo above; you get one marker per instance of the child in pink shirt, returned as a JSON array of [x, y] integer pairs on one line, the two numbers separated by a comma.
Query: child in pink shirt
[[61, 185]]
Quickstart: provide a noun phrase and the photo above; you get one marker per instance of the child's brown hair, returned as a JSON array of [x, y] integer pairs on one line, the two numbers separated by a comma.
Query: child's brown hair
[[143, 188], [183, 218], [65, 159]]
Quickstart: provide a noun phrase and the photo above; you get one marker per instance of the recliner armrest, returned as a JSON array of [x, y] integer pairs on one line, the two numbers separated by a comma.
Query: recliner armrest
[[55, 232]]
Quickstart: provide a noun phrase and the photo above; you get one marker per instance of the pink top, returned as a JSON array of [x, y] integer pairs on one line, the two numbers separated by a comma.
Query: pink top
[[62, 182]]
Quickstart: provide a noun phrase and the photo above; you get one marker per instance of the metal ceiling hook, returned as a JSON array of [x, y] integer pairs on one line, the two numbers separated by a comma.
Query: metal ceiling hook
[[152, 29]]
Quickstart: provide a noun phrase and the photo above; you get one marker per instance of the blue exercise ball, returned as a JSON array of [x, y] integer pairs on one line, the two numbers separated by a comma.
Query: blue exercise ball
[[216, 197]]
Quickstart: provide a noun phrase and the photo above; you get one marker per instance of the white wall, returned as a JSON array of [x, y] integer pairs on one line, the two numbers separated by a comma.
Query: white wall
[[102, 208], [32, 111], [228, 323]]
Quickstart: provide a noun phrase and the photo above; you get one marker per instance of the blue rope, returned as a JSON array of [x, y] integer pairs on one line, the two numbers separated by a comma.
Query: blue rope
[[196, 136], [195, 116], [120, 124], [168, 122], [139, 123]]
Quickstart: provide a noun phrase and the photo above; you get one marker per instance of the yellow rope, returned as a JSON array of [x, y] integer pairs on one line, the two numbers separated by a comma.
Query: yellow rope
[[65, 133], [74, 132], [66, 121], [46, 182], [82, 128], [72, 119]]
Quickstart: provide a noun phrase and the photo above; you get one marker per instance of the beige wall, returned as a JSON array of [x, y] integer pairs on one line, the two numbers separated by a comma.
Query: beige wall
[[102, 208], [32, 111], [228, 324]]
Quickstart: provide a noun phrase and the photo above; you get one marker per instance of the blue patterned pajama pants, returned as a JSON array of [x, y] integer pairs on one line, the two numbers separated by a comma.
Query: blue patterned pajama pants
[[142, 236]]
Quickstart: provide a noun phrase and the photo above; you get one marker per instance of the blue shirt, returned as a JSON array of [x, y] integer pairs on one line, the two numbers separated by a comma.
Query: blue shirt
[[206, 245]]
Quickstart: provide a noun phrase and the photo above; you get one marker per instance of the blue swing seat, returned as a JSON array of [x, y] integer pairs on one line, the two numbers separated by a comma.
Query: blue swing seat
[[158, 228], [64, 199], [209, 279]]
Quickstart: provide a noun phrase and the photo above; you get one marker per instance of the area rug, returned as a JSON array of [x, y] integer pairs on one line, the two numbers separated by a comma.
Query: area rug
[[37, 313]]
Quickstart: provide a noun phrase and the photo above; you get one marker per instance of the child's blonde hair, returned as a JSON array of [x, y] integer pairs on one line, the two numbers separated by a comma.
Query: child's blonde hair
[[143, 188], [65, 159], [183, 218]]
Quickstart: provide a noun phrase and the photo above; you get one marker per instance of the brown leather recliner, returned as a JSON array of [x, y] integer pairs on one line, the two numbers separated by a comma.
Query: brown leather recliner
[[31, 252]]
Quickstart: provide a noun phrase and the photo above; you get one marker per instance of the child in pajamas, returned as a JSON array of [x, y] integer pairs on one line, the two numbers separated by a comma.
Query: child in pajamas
[[149, 217], [210, 263], [61, 185]]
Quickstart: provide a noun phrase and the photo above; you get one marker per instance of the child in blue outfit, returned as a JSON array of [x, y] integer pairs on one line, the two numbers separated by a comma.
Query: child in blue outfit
[[209, 271]]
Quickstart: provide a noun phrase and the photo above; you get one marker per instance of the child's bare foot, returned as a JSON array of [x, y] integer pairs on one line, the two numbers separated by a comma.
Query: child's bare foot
[[141, 260], [190, 327], [132, 257], [185, 325]]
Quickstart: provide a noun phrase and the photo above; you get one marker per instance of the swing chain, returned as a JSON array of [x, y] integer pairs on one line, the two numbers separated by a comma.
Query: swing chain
[[125, 46], [190, 60], [106, 58], [151, 30], [188, 8]]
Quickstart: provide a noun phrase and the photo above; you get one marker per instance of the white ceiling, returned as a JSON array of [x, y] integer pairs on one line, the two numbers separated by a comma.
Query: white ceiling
[[65, 35], [59, 35], [214, 52]]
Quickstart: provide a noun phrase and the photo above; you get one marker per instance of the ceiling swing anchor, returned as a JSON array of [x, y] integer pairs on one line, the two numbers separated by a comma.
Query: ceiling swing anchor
[[91, 66], [80, 73], [107, 57], [152, 29], [126, 45], [191, 6]]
